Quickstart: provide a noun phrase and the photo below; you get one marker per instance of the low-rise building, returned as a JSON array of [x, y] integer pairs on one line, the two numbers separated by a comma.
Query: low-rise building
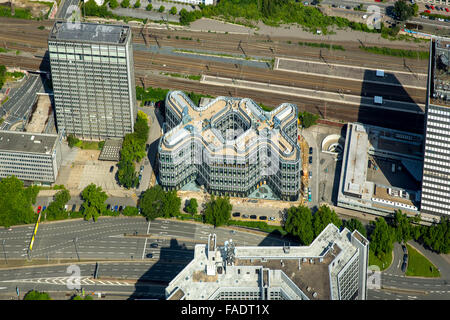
[[31, 157], [333, 267], [381, 170]]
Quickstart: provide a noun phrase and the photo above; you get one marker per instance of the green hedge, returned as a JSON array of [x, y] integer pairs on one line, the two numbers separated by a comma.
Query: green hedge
[[261, 225]]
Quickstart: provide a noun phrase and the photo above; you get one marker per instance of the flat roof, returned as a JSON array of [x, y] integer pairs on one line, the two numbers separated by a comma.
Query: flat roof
[[27, 142], [440, 72], [312, 269], [201, 122], [90, 32]]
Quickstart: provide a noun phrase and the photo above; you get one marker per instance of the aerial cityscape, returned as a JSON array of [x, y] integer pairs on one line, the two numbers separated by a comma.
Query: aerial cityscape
[[225, 150]]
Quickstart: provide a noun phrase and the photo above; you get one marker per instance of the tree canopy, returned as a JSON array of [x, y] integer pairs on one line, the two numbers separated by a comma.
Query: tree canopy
[[16, 202], [192, 206], [299, 223], [218, 211], [307, 119], [355, 224], [36, 295], [94, 202], [56, 210], [382, 237], [323, 217], [151, 202], [403, 10]]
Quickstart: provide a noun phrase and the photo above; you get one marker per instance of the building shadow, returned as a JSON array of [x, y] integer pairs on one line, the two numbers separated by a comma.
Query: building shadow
[[397, 110], [173, 258], [337, 171], [45, 62]]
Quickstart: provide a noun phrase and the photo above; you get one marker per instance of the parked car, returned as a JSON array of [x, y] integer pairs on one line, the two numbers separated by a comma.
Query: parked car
[[404, 267], [309, 197], [154, 245], [262, 218], [142, 168], [149, 255], [233, 231], [310, 160], [432, 7], [245, 216], [271, 218], [120, 209], [236, 214], [116, 208], [44, 207], [446, 9], [404, 248], [253, 216], [310, 174], [405, 258], [310, 150], [74, 207], [108, 207], [111, 169]]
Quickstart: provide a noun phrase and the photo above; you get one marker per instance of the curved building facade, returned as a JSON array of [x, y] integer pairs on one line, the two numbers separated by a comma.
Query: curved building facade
[[231, 146]]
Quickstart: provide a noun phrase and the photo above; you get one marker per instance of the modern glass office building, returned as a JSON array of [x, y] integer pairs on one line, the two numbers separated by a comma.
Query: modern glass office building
[[92, 72], [436, 169], [231, 146]]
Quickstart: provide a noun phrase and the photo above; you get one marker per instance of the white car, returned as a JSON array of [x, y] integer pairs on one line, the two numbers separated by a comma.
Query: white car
[[271, 218], [365, 16]]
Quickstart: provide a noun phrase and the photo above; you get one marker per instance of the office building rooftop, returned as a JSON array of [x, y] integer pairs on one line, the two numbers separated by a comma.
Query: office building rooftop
[[89, 32], [299, 272], [440, 69], [13, 141]]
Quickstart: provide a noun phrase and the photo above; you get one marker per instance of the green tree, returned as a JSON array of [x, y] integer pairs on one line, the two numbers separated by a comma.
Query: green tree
[[403, 10], [56, 210], [126, 175], [173, 10], [382, 237], [402, 226], [151, 202], [137, 4], [125, 3], [192, 207], [94, 202], [16, 202], [307, 119], [299, 223], [72, 140], [437, 237], [355, 224], [113, 4], [161, 9], [171, 204], [218, 211], [149, 7], [130, 211], [36, 295], [323, 217]]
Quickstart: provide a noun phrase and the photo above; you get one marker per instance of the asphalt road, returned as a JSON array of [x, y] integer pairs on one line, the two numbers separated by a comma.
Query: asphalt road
[[21, 101]]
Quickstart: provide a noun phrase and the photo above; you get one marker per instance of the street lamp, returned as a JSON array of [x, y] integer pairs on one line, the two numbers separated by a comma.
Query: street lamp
[[4, 251], [76, 250]]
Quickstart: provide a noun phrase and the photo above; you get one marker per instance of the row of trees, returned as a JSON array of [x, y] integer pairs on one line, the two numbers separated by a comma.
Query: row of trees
[[300, 222], [133, 150]]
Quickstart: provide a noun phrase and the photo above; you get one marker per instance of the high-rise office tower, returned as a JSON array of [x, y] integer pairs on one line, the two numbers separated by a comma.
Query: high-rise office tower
[[436, 168], [93, 79]]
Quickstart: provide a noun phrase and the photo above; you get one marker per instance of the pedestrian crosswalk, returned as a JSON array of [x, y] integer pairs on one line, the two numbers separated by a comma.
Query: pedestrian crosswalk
[[71, 280]]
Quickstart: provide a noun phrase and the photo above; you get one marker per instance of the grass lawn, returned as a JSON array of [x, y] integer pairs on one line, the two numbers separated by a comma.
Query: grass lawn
[[420, 266], [89, 145], [383, 264]]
